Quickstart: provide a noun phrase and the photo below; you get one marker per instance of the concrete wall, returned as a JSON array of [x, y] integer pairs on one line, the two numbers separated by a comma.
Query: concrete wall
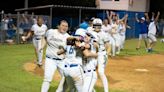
[[114, 5], [137, 5]]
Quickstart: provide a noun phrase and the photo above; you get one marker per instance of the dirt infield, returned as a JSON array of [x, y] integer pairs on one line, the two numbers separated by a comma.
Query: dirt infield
[[134, 74]]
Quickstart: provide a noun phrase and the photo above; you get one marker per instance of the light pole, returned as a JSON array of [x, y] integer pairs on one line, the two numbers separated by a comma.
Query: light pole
[[26, 5]]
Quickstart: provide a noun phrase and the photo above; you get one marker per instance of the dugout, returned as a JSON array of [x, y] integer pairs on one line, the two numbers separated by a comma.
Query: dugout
[[73, 14], [76, 14]]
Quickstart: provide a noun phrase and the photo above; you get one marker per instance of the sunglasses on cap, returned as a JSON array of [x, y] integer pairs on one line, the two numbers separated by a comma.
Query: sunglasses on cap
[[90, 35], [97, 26]]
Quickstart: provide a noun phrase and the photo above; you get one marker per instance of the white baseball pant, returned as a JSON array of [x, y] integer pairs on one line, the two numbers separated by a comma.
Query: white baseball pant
[[113, 44], [75, 72], [50, 67], [117, 42], [90, 78], [151, 38], [102, 61], [90, 75], [37, 42], [122, 40]]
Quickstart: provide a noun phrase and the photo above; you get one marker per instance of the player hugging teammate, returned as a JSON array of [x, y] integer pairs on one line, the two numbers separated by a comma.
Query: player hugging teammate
[[76, 52], [83, 55], [94, 50]]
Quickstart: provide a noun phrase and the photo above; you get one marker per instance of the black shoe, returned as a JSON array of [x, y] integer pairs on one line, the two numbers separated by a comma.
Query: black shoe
[[137, 48], [149, 50], [39, 65]]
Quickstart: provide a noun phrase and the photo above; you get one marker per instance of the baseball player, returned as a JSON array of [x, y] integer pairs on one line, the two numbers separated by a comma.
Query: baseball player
[[90, 27], [106, 27], [116, 36], [118, 29], [90, 63], [55, 39], [114, 21], [152, 32], [82, 29], [103, 50], [38, 31], [122, 30], [73, 71]]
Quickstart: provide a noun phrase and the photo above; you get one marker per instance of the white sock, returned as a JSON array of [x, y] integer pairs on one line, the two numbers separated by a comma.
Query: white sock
[[45, 86], [104, 81], [40, 55]]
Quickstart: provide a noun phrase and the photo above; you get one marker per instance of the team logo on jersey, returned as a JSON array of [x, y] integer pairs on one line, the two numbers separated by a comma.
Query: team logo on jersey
[[55, 39]]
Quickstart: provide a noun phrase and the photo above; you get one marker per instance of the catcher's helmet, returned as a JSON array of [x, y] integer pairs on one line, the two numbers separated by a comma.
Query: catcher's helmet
[[97, 22]]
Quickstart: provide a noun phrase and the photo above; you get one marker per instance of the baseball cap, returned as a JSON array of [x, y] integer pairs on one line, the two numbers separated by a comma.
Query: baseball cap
[[84, 25], [143, 18], [81, 32], [92, 18]]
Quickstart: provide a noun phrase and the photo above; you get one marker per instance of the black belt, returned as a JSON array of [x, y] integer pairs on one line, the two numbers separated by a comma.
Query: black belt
[[53, 58], [102, 50], [71, 65], [89, 70], [37, 38]]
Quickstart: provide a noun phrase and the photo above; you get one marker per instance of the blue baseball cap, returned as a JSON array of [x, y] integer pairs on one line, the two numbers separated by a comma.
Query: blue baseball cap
[[84, 25]]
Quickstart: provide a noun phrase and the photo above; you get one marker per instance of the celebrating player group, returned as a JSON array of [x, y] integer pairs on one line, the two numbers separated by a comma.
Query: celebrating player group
[[78, 57]]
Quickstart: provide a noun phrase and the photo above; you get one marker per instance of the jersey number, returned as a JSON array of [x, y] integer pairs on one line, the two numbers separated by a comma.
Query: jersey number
[[71, 51]]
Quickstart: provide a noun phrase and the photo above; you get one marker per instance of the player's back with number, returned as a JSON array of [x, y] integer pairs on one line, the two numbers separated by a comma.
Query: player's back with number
[[70, 51]]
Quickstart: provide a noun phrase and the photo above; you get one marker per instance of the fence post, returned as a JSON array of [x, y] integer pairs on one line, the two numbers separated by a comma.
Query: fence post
[[51, 14], [1, 29], [79, 16], [17, 30], [104, 14]]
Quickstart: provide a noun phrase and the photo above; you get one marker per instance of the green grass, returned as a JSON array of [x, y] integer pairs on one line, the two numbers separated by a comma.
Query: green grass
[[130, 48], [13, 78]]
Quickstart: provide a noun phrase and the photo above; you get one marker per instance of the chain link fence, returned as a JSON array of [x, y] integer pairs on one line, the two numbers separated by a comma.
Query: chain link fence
[[13, 26]]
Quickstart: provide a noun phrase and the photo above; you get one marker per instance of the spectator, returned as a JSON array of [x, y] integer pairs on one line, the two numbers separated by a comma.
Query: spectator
[[143, 23], [152, 33], [11, 32], [4, 27]]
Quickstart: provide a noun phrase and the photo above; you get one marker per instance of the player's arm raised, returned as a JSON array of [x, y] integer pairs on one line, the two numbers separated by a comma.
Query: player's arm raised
[[109, 16], [157, 17], [124, 18], [147, 17], [125, 21], [136, 17]]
